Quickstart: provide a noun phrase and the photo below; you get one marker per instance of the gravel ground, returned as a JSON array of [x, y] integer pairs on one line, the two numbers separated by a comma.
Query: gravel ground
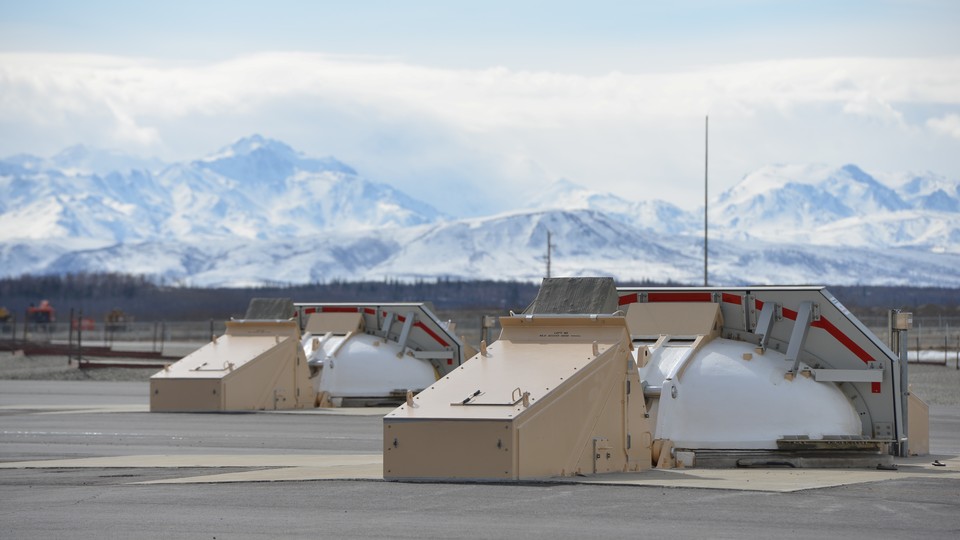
[[935, 384], [57, 368]]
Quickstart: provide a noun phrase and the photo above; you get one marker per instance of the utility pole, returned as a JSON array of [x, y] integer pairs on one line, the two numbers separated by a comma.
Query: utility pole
[[706, 165], [549, 247]]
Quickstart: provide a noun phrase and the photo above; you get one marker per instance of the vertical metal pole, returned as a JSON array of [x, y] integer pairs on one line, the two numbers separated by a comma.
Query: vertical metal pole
[[901, 388], [483, 328], [79, 337], [549, 248], [892, 341], [919, 332], [904, 391], [706, 168], [70, 340]]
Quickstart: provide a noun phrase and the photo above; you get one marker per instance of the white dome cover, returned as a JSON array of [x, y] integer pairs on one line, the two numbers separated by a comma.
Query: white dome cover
[[367, 366], [724, 401]]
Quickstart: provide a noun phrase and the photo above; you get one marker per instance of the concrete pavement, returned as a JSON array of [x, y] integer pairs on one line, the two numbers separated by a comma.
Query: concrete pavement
[[86, 460]]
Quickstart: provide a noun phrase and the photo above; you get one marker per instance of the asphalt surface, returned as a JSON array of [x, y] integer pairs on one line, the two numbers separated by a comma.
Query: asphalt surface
[[117, 498]]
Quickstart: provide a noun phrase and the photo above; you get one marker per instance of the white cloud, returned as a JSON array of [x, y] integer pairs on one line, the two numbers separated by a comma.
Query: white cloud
[[871, 106], [472, 99], [949, 124], [614, 131]]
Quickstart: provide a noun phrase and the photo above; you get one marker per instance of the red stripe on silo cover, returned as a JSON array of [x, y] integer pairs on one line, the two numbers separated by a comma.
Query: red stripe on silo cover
[[431, 333], [339, 309], [425, 328], [732, 298], [628, 299], [863, 355], [679, 297], [831, 329]]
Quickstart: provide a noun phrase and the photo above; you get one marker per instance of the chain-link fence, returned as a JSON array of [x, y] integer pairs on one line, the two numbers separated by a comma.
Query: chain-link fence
[[163, 337], [933, 339]]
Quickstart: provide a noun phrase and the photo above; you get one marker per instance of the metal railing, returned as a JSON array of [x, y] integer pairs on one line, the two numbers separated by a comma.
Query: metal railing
[[933, 339], [162, 337]]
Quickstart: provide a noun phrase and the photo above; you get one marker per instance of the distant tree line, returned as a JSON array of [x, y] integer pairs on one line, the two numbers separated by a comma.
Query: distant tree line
[[919, 300], [97, 294]]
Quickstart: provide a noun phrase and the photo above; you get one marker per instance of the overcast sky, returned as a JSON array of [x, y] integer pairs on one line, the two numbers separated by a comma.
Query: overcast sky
[[470, 105]]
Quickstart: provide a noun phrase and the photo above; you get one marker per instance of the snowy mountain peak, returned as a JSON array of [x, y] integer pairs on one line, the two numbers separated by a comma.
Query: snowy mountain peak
[[561, 193], [856, 173], [259, 159], [251, 144], [255, 188], [651, 215], [782, 189], [563, 184], [862, 191], [260, 211], [770, 178], [928, 191], [71, 154], [912, 184], [81, 159]]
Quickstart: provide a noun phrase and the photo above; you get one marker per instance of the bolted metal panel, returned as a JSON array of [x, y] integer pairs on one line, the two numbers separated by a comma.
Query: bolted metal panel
[[257, 365], [449, 449], [319, 324], [575, 296], [270, 309], [553, 384], [412, 325], [675, 319], [179, 395], [834, 340]]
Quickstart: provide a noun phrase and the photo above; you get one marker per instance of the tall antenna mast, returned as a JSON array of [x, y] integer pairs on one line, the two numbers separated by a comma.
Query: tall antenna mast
[[549, 246], [706, 165]]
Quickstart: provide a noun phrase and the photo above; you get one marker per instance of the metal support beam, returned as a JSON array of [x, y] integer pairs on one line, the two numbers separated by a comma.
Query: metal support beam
[[848, 375], [433, 355], [765, 323], [747, 304], [799, 335], [902, 388], [387, 323], [405, 332], [900, 323]]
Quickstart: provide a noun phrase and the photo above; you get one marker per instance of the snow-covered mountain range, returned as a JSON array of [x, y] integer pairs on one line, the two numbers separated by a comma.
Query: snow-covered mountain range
[[257, 212]]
